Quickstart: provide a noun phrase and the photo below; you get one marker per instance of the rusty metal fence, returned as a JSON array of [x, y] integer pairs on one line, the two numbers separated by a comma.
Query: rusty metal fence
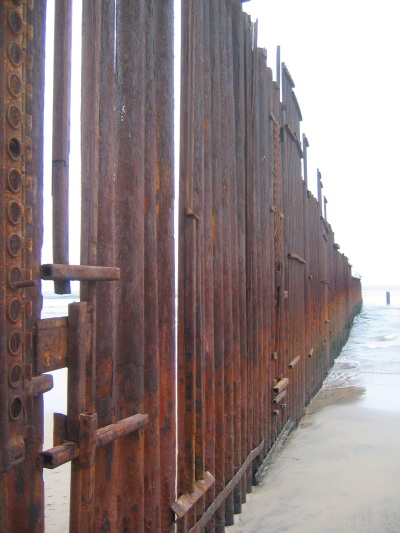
[[266, 300], [157, 442]]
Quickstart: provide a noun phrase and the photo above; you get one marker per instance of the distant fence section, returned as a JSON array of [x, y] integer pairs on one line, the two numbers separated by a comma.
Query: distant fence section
[[160, 438], [266, 299]]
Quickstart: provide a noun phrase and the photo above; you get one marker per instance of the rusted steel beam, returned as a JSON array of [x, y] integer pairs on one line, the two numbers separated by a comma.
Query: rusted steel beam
[[217, 224], [294, 362], [256, 294], [248, 39], [292, 255], [264, 248], [151, 401], [61, 123], [59, 455], [120, 429], [51, 344], [67, 451], [226, 111], [164, 154], [4, 504], [220, 499], [187, 501], [38, 385], [279, 397], [79, 340], [59, 429], [129, 251], [209, 381], [105, 326], [21, 152], [187, 267], [282, 384], [238, 19], [91, 24], [198, 208], [82, 501], [80, 273], [233, 14]]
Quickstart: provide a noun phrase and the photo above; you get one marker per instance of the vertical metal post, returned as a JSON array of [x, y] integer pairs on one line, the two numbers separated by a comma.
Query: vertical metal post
[[165, 252], [198, 209], [151, 399], [61, 130], [129, 253], [226, 159], [21, 147], [217, 260], [209, 382], [105, 313]]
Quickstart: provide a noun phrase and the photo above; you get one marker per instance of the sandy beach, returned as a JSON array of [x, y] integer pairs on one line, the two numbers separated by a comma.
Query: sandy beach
[[339, 471]]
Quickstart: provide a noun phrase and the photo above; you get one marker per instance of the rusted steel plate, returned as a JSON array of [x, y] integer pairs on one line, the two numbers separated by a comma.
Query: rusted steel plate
[[51, 344]]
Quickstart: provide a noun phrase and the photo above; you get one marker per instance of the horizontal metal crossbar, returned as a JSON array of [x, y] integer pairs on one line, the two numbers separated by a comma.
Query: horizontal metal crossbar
[[63, 453], [56, 272], [186, 502]]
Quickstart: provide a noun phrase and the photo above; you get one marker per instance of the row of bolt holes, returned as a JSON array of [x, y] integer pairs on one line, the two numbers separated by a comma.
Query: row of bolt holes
[[14, 209], [14, 118], [14, 83]]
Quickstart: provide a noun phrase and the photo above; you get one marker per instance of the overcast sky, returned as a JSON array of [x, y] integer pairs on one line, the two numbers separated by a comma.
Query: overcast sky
[[343, 57]]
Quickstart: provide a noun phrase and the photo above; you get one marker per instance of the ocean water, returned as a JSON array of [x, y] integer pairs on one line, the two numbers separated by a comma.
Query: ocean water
[[371, 357]]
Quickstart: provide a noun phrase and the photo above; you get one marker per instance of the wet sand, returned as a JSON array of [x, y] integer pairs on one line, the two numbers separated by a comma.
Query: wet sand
[[339, 471]]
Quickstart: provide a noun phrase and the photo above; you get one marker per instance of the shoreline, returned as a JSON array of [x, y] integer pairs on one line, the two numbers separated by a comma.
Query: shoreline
[[338, 471]]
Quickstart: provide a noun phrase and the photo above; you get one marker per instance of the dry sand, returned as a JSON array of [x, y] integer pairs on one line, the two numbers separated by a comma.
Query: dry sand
[[339, 471]]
